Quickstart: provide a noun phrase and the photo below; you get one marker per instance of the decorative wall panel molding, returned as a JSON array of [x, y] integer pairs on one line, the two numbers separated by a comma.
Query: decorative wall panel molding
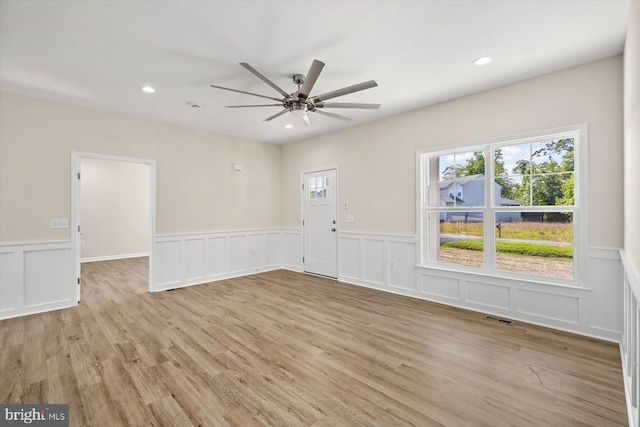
[[630, 342], [387, 262], [36, 277], [292, 244], [189, 259]]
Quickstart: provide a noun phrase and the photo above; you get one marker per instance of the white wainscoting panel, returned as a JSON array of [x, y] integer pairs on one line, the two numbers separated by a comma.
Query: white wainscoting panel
[[440, 287], [237, 254], [380, 261], [373, 265], [44, 281], [8, 282], [548, 306], [217, 258], [591, 309], [349, 262], [256, 251], [630, 343], [273, 250], [604, 272], [36, 277], [387, 262], [194, 258], [402, 272], [167, 263], [292, 246], [189, 259], [491, 296]]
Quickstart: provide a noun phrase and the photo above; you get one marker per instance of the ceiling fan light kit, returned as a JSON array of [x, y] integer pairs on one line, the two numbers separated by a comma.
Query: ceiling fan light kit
[[300, 103]]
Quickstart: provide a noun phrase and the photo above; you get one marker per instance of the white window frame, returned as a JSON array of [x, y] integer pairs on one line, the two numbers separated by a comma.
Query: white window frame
[[580, 224]]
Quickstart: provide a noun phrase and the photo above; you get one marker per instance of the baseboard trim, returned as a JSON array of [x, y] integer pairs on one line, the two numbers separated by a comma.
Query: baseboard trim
[[178, 284], [112, 257]]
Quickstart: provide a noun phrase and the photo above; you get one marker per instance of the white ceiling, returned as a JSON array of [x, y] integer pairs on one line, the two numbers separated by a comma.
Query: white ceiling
[[99, 53]]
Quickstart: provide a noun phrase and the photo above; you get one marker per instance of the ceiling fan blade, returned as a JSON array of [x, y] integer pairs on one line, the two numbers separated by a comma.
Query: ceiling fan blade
[[276, 115], [246, 106], [264, 79], [332, 115], [246, 93], [310, 80], [347, 105], [307, 120], [345, 91]]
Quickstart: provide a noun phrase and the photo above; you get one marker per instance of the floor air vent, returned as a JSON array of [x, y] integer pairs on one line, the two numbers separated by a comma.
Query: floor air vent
[[503, 321]]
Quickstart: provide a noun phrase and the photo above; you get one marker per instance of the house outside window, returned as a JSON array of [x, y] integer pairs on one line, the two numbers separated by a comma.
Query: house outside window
[[518, 215]]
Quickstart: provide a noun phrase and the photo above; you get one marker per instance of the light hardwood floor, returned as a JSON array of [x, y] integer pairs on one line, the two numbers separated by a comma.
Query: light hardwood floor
[[287, 349]]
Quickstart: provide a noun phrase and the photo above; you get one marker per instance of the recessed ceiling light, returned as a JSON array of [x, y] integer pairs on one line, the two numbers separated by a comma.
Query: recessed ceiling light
[[483, 60], [148, 89], [289, 126]]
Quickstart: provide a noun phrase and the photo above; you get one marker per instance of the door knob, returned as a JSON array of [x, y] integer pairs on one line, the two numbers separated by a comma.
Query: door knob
[[333, 229]]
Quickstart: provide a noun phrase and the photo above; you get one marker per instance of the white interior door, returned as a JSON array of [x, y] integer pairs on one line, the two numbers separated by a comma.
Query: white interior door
[[320, 223]]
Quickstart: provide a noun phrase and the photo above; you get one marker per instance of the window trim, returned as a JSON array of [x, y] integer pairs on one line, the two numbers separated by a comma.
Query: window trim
[[579, 209]]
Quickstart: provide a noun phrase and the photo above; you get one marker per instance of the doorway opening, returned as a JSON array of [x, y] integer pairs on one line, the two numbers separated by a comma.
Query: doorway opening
[[113, 221]]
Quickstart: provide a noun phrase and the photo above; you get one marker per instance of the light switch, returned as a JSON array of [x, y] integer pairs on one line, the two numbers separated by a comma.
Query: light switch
[[348, 218], [59, 223]]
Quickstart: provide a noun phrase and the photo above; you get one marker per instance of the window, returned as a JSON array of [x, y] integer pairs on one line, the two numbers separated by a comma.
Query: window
[[318, 188], [515, 215]]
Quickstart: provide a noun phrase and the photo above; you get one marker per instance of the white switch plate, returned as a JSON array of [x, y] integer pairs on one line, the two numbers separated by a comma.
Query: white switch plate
[[348, 218], [59, 223]]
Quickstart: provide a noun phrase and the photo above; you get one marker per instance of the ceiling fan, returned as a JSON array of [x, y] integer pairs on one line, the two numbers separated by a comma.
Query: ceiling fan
[[300, 103]]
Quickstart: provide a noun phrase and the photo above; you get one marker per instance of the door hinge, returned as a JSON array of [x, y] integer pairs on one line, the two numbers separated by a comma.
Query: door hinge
[[78, 229], [302, 259], [303, 186], [78, 175], [78, 280], [303, 222]]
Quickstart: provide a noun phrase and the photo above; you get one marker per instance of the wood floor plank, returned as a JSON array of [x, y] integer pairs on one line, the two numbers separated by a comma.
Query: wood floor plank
[[287, 349]]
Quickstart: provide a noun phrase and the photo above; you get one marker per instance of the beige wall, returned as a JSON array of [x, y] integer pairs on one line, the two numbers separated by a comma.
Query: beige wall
[[114, 208], [632, 136], [196, 189], [377, 160]]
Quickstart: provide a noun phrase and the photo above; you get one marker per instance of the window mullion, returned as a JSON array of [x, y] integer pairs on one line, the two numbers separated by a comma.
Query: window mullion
[[489, 217]]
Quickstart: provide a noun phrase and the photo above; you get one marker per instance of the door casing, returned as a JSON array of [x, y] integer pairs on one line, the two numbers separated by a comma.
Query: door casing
[[76, 158]]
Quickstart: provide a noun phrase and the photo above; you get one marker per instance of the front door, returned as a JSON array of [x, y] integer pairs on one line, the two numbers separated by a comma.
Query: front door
[[320, 223]]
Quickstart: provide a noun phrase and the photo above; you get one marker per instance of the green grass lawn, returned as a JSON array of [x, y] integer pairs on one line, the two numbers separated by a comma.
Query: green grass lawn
[[547, 251], [550, 231]]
